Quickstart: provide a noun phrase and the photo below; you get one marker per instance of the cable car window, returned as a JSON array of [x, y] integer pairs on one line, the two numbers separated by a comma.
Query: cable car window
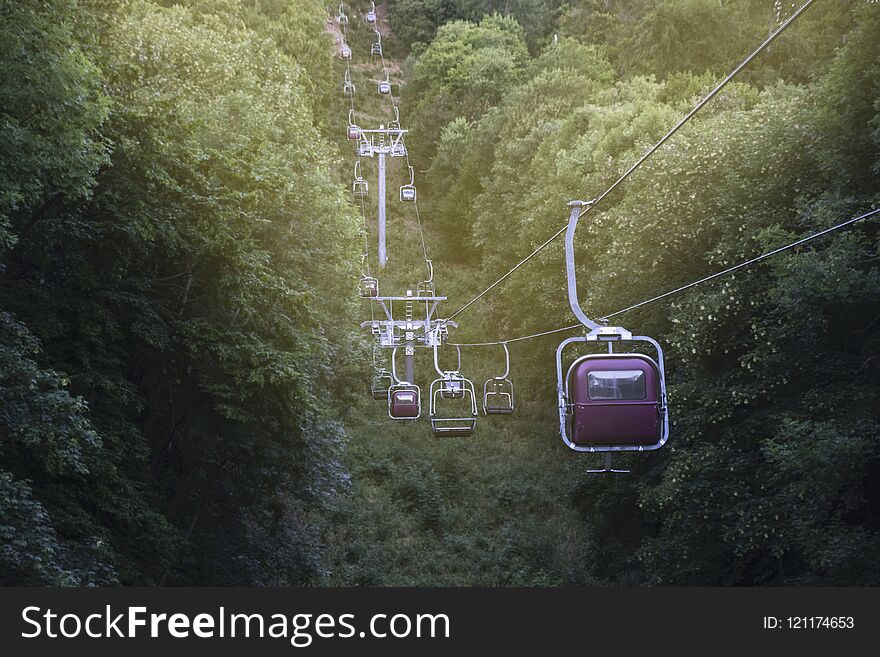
[[621, 384]]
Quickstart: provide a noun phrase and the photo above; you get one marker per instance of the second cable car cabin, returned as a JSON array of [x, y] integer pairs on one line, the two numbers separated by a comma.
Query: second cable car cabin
[[408, 191], [404, 397], [613, 401], [384, 86]]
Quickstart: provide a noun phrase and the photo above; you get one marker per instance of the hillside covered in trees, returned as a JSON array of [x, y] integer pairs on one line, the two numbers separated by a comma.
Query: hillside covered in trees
[[183, 378]]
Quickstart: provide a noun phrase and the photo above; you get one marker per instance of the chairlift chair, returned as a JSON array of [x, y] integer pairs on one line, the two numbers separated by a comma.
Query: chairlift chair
[[395, 124], [384, 86], [345, 51], [359, 186], [398, 149], [404, 397], [353, 132], [498, 396], [408, 191], [452, 385], [371, 15], [608, 402], [380, 383], [426, 288], [376, 49], [369, 287], [365, 148], [348, 89], [455, 388]]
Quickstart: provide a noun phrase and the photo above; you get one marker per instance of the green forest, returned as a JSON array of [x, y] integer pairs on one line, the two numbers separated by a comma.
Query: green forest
[[184, 378]]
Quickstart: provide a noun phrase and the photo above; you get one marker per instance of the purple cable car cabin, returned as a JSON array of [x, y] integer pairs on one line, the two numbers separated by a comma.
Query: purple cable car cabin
[[404, 403], [615, 400]]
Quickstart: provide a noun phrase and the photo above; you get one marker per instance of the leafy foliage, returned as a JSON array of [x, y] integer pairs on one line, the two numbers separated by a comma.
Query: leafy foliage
[[183, 291]]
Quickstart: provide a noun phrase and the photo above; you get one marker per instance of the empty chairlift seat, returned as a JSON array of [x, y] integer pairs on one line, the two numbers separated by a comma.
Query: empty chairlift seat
[[452, 402], [498, 391], [498, 397], [458, 418], [380, 384], [359, 187]]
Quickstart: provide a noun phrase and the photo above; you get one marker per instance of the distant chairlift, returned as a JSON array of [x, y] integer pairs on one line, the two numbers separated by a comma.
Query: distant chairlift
[[376, 48], [345, 51], [408, 191], [384, 86], [369, 287], [365, 147], [426, 288], [371, 15], [609, 402], [353, 132], [404, 397], [398, 148], [498, 391], [395, 124], [452, 386], [359, 186], [380, 383], [341, 18]]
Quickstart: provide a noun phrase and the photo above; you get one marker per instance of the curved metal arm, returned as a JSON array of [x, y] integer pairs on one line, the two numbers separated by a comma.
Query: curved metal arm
[[436, 357], [397, 381], [506, 364], [437, 367], [570, 270]]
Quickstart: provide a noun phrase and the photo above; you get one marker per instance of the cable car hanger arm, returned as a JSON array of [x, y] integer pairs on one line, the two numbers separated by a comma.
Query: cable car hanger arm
[[692, 284]]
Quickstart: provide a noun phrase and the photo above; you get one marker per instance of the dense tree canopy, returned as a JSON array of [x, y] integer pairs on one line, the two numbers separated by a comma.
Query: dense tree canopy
[[175, 216]]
